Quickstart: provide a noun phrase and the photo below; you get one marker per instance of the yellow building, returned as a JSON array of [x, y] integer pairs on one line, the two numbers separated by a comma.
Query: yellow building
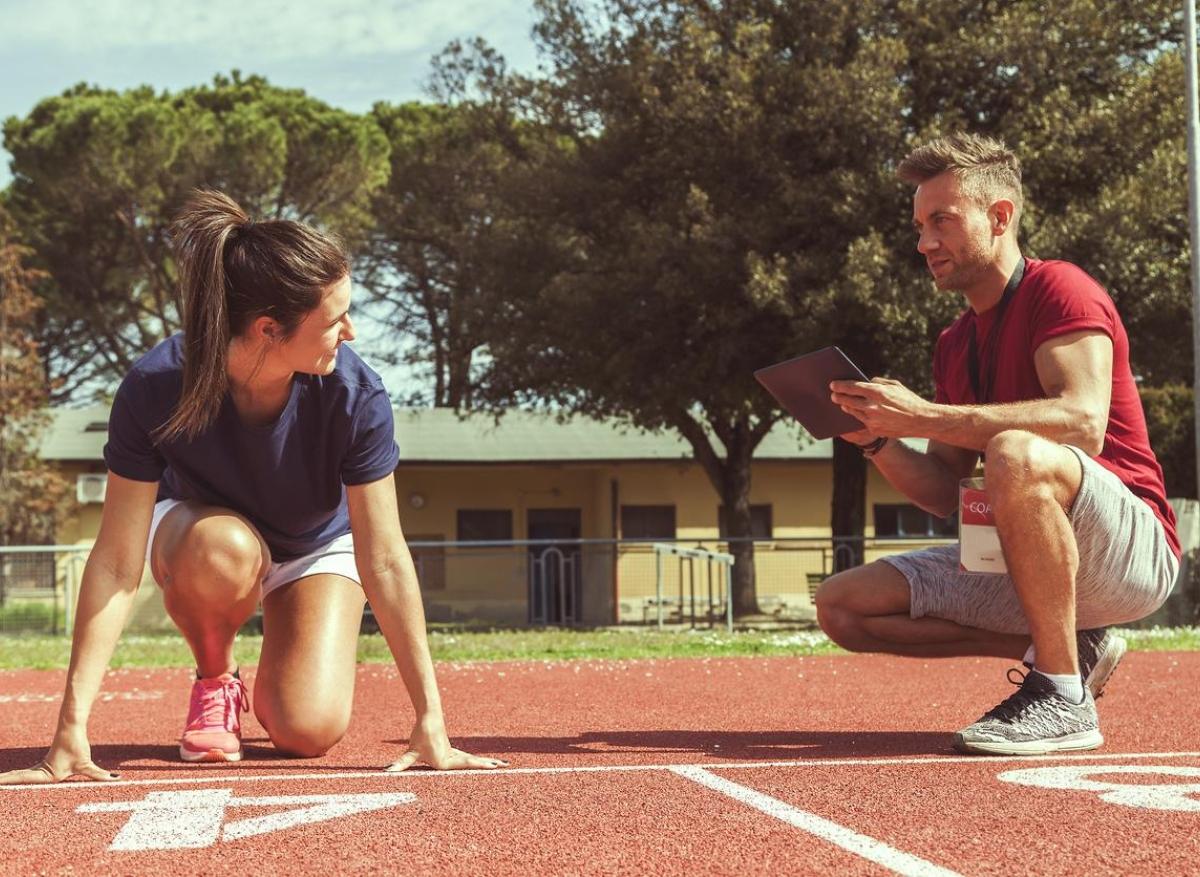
[[584, 492]]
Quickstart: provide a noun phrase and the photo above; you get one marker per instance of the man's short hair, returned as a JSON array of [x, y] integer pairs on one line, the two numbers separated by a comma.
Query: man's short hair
[[986, 169]]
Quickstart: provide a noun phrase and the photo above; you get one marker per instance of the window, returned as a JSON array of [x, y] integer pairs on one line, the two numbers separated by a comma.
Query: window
[[480, 525], [430, 561], [647, 522], [760, 522], [909, 522]]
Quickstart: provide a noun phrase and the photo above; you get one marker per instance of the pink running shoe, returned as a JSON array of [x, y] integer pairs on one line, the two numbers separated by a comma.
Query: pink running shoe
[[214, 723]]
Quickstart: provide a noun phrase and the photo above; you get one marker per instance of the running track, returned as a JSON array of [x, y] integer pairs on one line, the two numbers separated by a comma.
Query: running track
[[825, 765]]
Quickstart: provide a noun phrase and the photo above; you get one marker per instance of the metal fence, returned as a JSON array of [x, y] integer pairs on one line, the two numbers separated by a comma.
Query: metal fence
[[516, 583], [535, 583], [38, 585]]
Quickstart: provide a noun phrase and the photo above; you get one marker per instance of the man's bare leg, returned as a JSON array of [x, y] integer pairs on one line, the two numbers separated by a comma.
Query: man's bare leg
[[1032, 484], [866, 609]]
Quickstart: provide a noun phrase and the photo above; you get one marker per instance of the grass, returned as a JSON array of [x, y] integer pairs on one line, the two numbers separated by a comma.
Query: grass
[[30, 615], [43, 652]]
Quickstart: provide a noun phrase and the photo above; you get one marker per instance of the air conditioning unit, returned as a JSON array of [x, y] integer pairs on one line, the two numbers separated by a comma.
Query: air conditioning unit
[[90, 487]]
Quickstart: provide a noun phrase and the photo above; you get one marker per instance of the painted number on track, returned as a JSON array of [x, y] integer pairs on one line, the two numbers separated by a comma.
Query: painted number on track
[[187, 820], [1180, 796]]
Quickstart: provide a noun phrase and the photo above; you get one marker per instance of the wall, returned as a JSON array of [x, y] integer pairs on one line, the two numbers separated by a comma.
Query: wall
[[493, 583]]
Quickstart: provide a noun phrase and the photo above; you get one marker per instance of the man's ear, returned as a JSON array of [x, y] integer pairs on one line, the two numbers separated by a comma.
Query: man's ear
[[1001, 215]]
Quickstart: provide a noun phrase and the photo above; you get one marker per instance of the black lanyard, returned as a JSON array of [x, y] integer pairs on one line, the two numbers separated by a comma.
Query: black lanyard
[[983, 390]]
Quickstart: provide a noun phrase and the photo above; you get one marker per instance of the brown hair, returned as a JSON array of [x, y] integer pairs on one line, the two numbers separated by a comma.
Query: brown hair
[[986, 169], [231, 271]]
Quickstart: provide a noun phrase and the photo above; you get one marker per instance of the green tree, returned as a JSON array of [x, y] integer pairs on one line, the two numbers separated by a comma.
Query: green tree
[[1129, 227], [453, 234], [726, 195], [98, 174], [1171, 419], [707, 200], [1064, 93], [33, 495]]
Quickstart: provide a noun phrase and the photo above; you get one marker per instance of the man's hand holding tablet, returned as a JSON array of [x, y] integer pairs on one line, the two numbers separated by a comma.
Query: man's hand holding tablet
[[886, 409]]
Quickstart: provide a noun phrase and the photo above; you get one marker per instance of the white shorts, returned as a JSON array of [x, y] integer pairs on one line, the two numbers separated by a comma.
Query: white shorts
[[336, 557]]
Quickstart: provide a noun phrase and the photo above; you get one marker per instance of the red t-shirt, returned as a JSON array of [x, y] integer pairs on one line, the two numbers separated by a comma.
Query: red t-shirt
[[1056, 298]]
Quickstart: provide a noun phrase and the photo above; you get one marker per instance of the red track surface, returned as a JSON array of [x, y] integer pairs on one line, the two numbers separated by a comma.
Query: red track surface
[[864, 741]]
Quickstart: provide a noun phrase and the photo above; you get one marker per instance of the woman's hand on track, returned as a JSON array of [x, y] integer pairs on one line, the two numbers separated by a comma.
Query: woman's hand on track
[[70, 755], [429, 744]]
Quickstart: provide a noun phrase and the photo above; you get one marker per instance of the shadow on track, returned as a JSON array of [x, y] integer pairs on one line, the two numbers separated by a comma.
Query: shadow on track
[[734, 745], [131, 757]]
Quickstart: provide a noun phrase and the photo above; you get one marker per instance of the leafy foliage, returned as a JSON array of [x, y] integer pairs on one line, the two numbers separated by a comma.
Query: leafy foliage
[[33, 495], [98, 175], [1171, 419]]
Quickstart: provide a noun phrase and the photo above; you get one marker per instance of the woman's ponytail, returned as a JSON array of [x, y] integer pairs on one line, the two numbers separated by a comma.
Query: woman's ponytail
[[200, 234]]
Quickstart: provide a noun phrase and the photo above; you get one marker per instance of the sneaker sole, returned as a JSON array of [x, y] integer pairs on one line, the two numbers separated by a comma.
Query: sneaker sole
[[1069, 743], [193, 757], [1106, 666]]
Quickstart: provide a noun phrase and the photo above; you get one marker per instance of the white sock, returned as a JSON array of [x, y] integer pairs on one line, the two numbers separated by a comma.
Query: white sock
[[1030, 655], [1069, 685]]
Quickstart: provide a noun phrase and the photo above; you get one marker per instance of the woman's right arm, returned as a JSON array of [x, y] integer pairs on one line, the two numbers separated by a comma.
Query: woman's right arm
[[110, 581]]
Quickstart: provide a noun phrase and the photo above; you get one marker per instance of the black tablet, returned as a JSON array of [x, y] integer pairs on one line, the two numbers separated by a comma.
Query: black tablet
[[801, 386]]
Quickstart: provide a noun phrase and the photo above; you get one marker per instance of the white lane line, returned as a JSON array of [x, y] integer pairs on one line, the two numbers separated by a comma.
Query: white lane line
[[982, 760], [860, 844]]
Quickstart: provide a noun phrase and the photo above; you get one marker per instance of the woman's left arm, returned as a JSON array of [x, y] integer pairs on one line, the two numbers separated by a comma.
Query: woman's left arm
[[390, 581]]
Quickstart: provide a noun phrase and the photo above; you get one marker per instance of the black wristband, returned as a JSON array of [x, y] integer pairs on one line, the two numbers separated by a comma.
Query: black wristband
[[871, 449]]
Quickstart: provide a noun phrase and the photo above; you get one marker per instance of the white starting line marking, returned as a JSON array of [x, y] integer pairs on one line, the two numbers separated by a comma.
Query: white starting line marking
[[189, 820], [979, 760], [194, 819], [838, 835], [1162, 796]]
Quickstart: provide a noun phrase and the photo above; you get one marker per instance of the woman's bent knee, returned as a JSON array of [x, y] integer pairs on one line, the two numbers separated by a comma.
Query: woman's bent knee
[[209, 554], [307, 739], [225, 547]]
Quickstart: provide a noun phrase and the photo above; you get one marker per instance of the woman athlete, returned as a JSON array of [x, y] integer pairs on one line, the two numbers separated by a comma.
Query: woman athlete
[[250, 460]]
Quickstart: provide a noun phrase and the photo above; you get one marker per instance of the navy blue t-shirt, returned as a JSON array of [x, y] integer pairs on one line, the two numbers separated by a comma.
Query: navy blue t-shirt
[[289, 477]]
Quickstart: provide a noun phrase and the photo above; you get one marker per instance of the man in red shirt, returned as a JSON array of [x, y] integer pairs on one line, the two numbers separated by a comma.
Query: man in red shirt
[[1035, 377]]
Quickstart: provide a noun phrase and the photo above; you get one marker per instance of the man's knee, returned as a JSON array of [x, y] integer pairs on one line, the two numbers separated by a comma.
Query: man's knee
[[1019, 462], [835, 613]]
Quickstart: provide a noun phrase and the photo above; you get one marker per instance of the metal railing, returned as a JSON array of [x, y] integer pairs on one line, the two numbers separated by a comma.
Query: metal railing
[[720, 587], [544, 582], [511, 583], [38, 586]]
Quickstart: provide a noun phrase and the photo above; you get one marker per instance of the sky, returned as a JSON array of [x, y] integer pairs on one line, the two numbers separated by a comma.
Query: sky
[[349, 53]]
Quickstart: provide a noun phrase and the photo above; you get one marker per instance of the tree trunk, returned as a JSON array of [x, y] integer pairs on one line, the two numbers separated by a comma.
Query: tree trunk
[[730, 476], [735, 497], [848, 513]]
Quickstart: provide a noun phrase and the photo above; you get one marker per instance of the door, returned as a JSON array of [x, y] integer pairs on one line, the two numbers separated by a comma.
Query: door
[[554, 569]]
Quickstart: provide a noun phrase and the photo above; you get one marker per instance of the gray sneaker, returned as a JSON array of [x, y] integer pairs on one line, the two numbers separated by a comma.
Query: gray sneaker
[[1099, 653], [1034, 720]]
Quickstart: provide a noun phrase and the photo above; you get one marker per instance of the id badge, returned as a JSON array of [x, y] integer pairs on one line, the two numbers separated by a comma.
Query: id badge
[[978, 541]]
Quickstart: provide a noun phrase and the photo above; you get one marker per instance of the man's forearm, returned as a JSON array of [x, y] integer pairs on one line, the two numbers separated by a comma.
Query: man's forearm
[[923, 478], [973, 426]]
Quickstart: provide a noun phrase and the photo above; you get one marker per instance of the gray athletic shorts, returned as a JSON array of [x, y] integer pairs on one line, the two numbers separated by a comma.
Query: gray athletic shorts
[[1126, 566]]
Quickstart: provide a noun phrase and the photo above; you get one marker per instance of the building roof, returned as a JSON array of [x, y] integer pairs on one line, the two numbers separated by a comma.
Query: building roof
[[438, 435]]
